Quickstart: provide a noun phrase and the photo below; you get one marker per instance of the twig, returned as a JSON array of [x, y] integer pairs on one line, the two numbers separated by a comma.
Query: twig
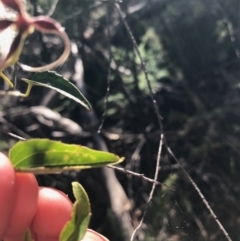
[[16, 136], [153, 187], [136, 153], [11, 93], [200, 226], [15, 128], [140, 176], [52, 8], [143, 65], [157, 112], [200, 194], [134, 163], [109, 73]]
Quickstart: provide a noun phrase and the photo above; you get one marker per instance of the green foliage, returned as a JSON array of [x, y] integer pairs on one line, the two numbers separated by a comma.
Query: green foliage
[[41, 156], [56, 82], [152, 51], [190, 48], [76, 228]]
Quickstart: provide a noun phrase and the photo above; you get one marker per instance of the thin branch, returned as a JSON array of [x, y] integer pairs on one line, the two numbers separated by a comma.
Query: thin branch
[[109, 72], [155, 106], [15, 128], [200, 194], [52, 8], [16, 136], [136, 153], [143, 66], [200, 226], [153, 187], [134, 163], [123, 170], [11, 93]]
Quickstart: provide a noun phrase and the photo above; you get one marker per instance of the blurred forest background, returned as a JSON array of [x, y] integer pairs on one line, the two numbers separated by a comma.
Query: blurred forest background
[[192, 53]]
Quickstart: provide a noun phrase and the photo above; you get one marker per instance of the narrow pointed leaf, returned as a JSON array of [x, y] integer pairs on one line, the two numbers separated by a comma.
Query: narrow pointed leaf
[[41, 156], [76, 228], [57, 82]]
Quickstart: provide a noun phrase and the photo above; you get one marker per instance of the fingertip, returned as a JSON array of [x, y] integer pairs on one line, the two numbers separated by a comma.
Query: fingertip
[[53, 212], [7, 192], [25, 205]]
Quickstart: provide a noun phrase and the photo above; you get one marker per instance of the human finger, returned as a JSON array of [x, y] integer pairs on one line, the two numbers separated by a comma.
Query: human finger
[[53, 211], [24, 208], [7, 192]]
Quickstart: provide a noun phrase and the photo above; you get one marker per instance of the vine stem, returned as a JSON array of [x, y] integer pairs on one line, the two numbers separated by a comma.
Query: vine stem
[[7, 80], [29, 88], [156, 110], [109, 72], [140, 176], [18, 93], [163, 139], [201, 195], [143, 66], [153, 188]]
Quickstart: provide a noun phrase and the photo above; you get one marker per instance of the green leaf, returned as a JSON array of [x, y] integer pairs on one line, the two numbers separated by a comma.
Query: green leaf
[[42, 156], [76, 228], [57, 82], [27, 236]]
